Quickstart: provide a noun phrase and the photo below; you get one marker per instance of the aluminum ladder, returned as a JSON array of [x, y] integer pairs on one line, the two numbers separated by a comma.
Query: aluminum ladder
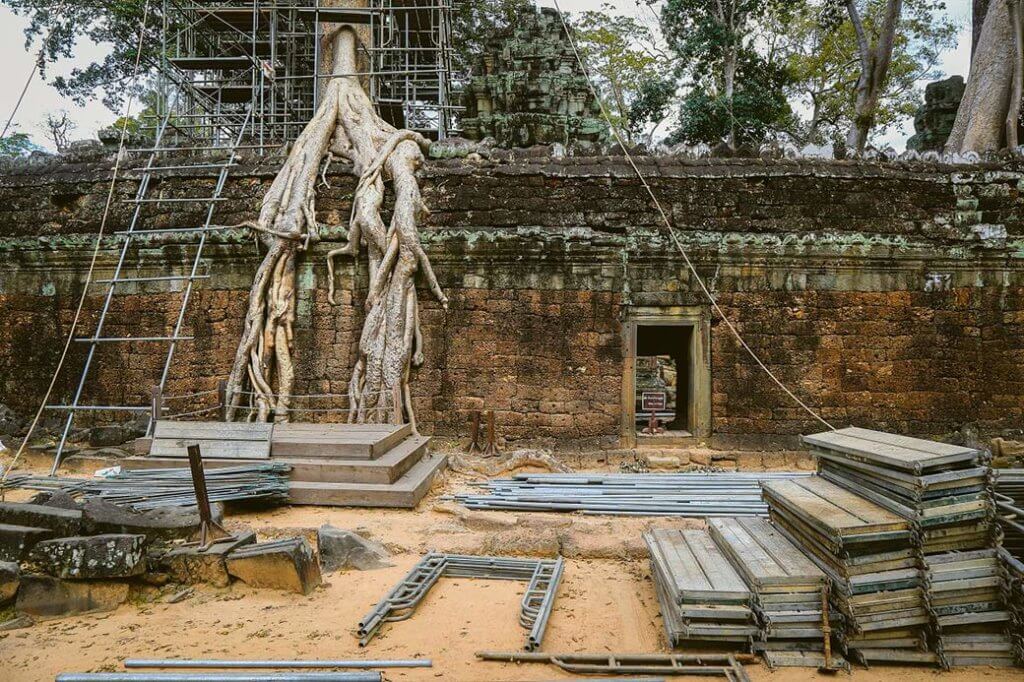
[[140, 201]]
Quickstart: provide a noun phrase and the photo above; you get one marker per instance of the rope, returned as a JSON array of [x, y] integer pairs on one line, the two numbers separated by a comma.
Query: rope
[[17, 105], [672, 231], [95, 253]]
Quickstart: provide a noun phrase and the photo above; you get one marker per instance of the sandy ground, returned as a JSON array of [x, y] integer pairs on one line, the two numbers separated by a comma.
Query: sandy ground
[[606, 604]]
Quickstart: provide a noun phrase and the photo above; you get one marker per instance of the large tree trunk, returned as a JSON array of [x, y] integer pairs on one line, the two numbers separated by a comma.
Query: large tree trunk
[[729, 78], [981, 120], [874, 71], [344, 126], [978, 10]]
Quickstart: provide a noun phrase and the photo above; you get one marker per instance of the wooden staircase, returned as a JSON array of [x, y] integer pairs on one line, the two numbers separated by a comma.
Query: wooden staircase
[[342, 465]]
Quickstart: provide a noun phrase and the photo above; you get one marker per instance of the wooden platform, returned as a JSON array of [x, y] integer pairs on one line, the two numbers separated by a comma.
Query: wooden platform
[[765, 558], [698, 572], [367, 465], [891, 450], [702, 597], [835, 512]]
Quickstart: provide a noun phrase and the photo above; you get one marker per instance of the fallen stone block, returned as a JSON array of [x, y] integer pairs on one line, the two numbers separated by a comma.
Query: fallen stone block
[[663, 462], [168, 523], [16, 541], [56, 498], [281, 565], [343, 549], [17, 623], [46, 596], [63, 522], [189, 565], [92, 557], [10, 578]]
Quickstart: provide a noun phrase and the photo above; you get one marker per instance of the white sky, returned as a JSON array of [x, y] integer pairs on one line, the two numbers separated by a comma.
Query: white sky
[[42, 98]]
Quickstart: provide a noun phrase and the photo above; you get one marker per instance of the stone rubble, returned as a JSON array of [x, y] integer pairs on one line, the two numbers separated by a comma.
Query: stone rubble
[[288, 564], [342, 549], [91, 557]]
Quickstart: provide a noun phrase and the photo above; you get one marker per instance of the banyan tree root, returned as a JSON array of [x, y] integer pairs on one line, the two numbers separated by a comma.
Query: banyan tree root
[[346, 127], [520, 459]]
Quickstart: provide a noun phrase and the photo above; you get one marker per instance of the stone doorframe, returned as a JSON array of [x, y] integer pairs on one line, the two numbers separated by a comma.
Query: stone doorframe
[[698, 392]]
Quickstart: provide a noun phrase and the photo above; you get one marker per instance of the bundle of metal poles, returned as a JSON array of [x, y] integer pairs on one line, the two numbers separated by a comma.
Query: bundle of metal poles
[[226, 663], [707, 664], [1010, 482], [542, 576], [1009, 499], [361, 676], [153, 488], [681, 494]]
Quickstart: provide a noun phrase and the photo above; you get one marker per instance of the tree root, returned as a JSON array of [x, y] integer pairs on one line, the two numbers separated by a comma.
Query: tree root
[[519, 459], [346, 126]]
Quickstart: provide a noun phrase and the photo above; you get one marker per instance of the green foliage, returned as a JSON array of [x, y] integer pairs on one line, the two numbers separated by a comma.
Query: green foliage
[[56, 28], [17, 145], [757, 110], [725, 53], [627, 66], [476, 22], [652, 104], [703, 32], [822, 58]]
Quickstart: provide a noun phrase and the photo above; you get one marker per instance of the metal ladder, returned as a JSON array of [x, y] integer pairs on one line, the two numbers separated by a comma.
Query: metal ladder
[[140, 201]]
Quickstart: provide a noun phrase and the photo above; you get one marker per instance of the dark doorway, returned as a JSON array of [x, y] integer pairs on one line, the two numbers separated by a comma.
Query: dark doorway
[[664, 365]]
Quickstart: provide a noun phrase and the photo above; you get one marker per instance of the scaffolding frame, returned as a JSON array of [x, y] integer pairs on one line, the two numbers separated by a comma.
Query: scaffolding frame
[[225, 58]]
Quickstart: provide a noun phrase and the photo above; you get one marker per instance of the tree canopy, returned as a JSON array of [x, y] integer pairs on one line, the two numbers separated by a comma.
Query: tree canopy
[[17, 145], [821, 56], [739, 71], [56, 28], [627, 63]]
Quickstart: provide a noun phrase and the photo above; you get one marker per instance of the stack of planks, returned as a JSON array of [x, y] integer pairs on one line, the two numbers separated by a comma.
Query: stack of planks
[[1015, 596], [966, 595], [789, 591], [943, 489], [704, 601], [944, 492], [867, 553]]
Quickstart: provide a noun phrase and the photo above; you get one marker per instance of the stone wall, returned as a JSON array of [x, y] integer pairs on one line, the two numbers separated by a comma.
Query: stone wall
[[889, 296]]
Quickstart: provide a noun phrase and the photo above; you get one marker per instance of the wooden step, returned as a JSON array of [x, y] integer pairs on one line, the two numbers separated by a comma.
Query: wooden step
[[384, 470], [405, 493], [350, 441]]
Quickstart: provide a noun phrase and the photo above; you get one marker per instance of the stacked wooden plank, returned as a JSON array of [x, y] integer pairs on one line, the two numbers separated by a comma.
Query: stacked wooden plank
[[941, 488], [788, 589], [867, 553], [1015, 597], [967, 599], [943, 491], [703, 599]]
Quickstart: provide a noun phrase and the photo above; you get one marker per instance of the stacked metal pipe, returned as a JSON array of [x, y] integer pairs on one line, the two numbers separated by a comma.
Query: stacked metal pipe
[[1014, 569], [680, 494], [151, 489]]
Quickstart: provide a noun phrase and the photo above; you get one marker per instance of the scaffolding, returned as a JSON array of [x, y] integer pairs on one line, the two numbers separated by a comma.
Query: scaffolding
[[234, 77], [225, 58]]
